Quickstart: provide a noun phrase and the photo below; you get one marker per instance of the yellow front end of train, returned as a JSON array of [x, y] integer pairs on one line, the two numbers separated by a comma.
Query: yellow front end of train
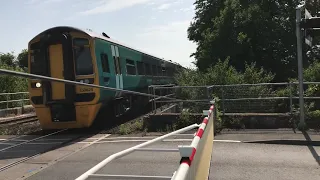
[[63, 53]]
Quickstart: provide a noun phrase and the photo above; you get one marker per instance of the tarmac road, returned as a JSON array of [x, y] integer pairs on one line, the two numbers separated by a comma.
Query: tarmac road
[[236, 155]]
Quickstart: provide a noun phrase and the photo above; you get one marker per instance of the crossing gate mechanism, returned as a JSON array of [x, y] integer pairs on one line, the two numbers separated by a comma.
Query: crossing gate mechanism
[[195, 158]]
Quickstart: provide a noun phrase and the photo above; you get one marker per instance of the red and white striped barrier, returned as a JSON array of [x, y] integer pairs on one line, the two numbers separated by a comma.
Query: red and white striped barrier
[[195, 161]]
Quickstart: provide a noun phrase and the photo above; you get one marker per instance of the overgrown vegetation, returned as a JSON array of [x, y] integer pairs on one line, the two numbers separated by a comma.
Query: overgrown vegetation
[[252, 42], [10, 84]]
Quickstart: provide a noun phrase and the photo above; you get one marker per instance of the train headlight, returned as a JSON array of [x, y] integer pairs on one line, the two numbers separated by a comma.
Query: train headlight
[[38, 85]]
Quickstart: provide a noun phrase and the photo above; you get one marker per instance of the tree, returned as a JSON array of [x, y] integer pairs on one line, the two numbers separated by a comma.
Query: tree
[[23, 59], [261, 31], [7, 59]]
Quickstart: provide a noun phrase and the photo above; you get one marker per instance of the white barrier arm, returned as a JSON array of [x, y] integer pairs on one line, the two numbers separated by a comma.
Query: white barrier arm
[[130, 150]]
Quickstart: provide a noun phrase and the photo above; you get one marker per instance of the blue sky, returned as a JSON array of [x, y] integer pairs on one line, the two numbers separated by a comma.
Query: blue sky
[[155, 26]]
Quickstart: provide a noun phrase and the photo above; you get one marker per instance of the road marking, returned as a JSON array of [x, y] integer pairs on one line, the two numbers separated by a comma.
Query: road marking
[[176, 140], [232, 141], [100, 142], [7, 143], [63, 157], [137, 140], [137, 137], [144, 140]]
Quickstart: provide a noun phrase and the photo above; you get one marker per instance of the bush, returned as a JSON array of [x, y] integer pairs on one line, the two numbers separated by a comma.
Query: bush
[[11, 84], [222, 75]]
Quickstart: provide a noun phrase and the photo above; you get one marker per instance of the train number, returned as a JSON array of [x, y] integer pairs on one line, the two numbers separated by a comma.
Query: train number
[[86, 89]]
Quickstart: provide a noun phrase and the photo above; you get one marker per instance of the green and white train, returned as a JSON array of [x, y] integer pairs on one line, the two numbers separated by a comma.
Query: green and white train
[[80, 55]]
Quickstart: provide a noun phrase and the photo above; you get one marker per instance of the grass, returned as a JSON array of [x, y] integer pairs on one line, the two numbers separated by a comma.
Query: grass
[[20, 129]]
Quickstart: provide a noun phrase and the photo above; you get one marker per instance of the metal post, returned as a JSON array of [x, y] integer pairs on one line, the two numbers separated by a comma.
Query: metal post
[[300, 65], [223, 110], [7, 100], [155, 105], [208, 96], [290, 95]]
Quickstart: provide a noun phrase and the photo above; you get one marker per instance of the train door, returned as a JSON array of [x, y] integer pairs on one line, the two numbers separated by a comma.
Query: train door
[[117, 66], [59, 96], [56, 69]]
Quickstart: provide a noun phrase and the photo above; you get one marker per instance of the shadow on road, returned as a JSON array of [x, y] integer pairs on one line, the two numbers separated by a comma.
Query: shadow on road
[[312, 150]]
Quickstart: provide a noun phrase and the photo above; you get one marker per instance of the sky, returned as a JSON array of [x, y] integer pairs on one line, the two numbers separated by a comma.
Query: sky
[[158, 27]]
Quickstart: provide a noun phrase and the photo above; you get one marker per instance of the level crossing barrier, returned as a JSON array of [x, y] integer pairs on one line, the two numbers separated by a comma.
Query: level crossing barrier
[[195, 158]]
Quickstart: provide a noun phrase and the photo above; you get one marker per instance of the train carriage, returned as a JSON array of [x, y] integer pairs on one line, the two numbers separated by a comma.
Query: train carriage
[[79, 55]]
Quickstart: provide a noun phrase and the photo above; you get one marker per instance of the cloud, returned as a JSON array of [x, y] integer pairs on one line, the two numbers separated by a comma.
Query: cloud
[[30, 2], [113, 5], [164, 6]]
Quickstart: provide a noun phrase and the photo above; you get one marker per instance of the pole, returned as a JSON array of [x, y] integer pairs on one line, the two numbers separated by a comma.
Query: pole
[[300, 65]]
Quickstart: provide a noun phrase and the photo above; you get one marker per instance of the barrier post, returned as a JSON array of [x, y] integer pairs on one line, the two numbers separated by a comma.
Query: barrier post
[[196, 158]]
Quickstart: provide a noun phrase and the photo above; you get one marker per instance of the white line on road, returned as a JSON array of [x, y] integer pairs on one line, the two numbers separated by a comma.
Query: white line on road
[[232, 141], [144, 140], [63, 157], [146, 137]]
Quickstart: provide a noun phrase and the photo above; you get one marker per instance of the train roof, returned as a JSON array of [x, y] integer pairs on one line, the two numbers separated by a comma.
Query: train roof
[[100, 36]]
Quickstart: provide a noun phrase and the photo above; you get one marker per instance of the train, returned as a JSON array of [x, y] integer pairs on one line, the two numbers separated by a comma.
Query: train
[[80, 55]]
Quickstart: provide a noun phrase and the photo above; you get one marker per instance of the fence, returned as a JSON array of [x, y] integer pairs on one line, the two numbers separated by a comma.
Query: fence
[[12, 100], [191, 98], [196, 158], [265, 97]]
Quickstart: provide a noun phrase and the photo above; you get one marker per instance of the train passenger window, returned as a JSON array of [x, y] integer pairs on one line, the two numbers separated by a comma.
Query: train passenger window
[[169, 71], [154, 70], [105, 63], [82, 57], [140, 68], [148, 70], [164, 71], [131, 68]]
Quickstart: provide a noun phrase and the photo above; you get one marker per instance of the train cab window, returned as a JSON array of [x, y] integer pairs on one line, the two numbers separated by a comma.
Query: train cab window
[[148, 70], [37, 63], [131, 68], [82, 56], [140, 68], [154, 70], [105, 63]]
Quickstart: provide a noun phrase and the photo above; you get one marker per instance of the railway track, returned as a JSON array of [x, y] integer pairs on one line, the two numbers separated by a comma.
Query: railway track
[[43, 137], [20, 120], [7, 166]]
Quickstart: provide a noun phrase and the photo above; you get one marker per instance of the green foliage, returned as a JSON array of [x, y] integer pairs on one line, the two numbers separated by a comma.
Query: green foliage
[[23, 59], [184, 120], [10, 84], [130, 127], [7, 59], [256, 31], [221, 74]]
